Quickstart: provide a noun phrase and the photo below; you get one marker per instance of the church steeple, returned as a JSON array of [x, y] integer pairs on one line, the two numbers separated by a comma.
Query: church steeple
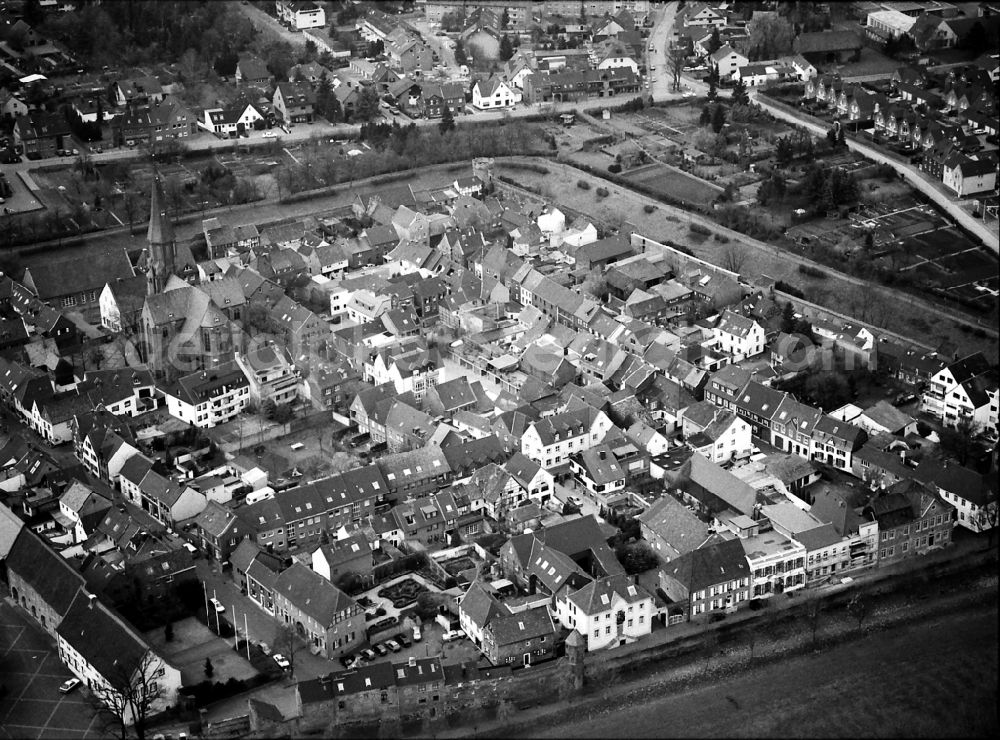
[[160, 240]]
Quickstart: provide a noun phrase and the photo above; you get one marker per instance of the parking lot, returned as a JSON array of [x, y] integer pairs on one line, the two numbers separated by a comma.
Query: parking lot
[[31, 672]]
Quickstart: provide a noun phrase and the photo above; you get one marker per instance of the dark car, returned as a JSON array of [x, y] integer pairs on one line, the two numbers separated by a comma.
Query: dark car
[[381, 649], [403, 639]]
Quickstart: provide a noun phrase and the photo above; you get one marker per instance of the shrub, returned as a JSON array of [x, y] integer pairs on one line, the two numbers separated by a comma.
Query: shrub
[[602, 193], [790, 289], [722, 238], [813, 272], [614, 168], [699, 229], [583, 184], [649, 208]]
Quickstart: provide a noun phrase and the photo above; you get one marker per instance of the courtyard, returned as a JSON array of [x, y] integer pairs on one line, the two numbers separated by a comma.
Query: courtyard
[[193, 643]]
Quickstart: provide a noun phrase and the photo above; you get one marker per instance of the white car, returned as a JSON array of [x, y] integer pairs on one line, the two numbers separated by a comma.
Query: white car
[[217, 605], [282, 661], [269, 135], [68, 686], [451, 635]]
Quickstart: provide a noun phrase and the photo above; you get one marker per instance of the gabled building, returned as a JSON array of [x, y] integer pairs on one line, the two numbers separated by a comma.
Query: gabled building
[[711, 579], [671, 529], [610, 611], [325, 616], [208, 397]]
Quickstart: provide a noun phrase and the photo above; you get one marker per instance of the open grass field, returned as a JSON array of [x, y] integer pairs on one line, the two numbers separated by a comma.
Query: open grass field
[[933, 679], [673, 184]]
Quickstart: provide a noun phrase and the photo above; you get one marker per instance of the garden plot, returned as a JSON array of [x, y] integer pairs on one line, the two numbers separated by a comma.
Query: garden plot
[[674, 184]]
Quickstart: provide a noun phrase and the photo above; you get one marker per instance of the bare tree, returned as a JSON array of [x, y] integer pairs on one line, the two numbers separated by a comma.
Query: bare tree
[[130, 204], [286, 643], [733, 258], [814, 613], [676, 56], [857, 607], [129, 694]]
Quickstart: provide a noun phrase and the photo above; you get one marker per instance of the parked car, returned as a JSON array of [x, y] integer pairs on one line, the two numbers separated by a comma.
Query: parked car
[[368, 654], [269, 134], [381, 649], [905, 398], [68, 686], [452, 635], [403, 639], [393, 646], [219, 608], [282, 661], [416, 634]]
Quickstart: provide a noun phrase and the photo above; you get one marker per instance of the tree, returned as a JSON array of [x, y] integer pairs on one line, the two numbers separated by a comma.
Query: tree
[[460, 56], [367, 106], [814, 613], [740, 95], [209, 668], [327, 104], [857, 607], [506, 48], [676, 56], [128, 694], [505, 19], [286, 643], [595, 285], [706, 116], [976, 40], [718, 118], [772, 189], [715, 42], [712, 92], [769, 36], [447, 122], [733, 258], [959, 441]]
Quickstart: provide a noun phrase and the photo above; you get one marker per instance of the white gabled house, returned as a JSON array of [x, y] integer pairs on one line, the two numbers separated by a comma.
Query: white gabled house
[[209, 397], [609, 611], [550, 441], [966, 389], [739, 336], [494, 94]]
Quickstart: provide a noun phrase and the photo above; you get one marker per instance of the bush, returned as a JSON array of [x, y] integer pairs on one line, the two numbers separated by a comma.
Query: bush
[[722, 238], [813, 272], [583, 184], [649, 208], [614, 168], [602, 193], [699, 229], [789, 289]]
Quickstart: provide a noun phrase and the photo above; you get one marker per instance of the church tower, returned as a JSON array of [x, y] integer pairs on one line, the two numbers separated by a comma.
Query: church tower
[[161, 246]]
